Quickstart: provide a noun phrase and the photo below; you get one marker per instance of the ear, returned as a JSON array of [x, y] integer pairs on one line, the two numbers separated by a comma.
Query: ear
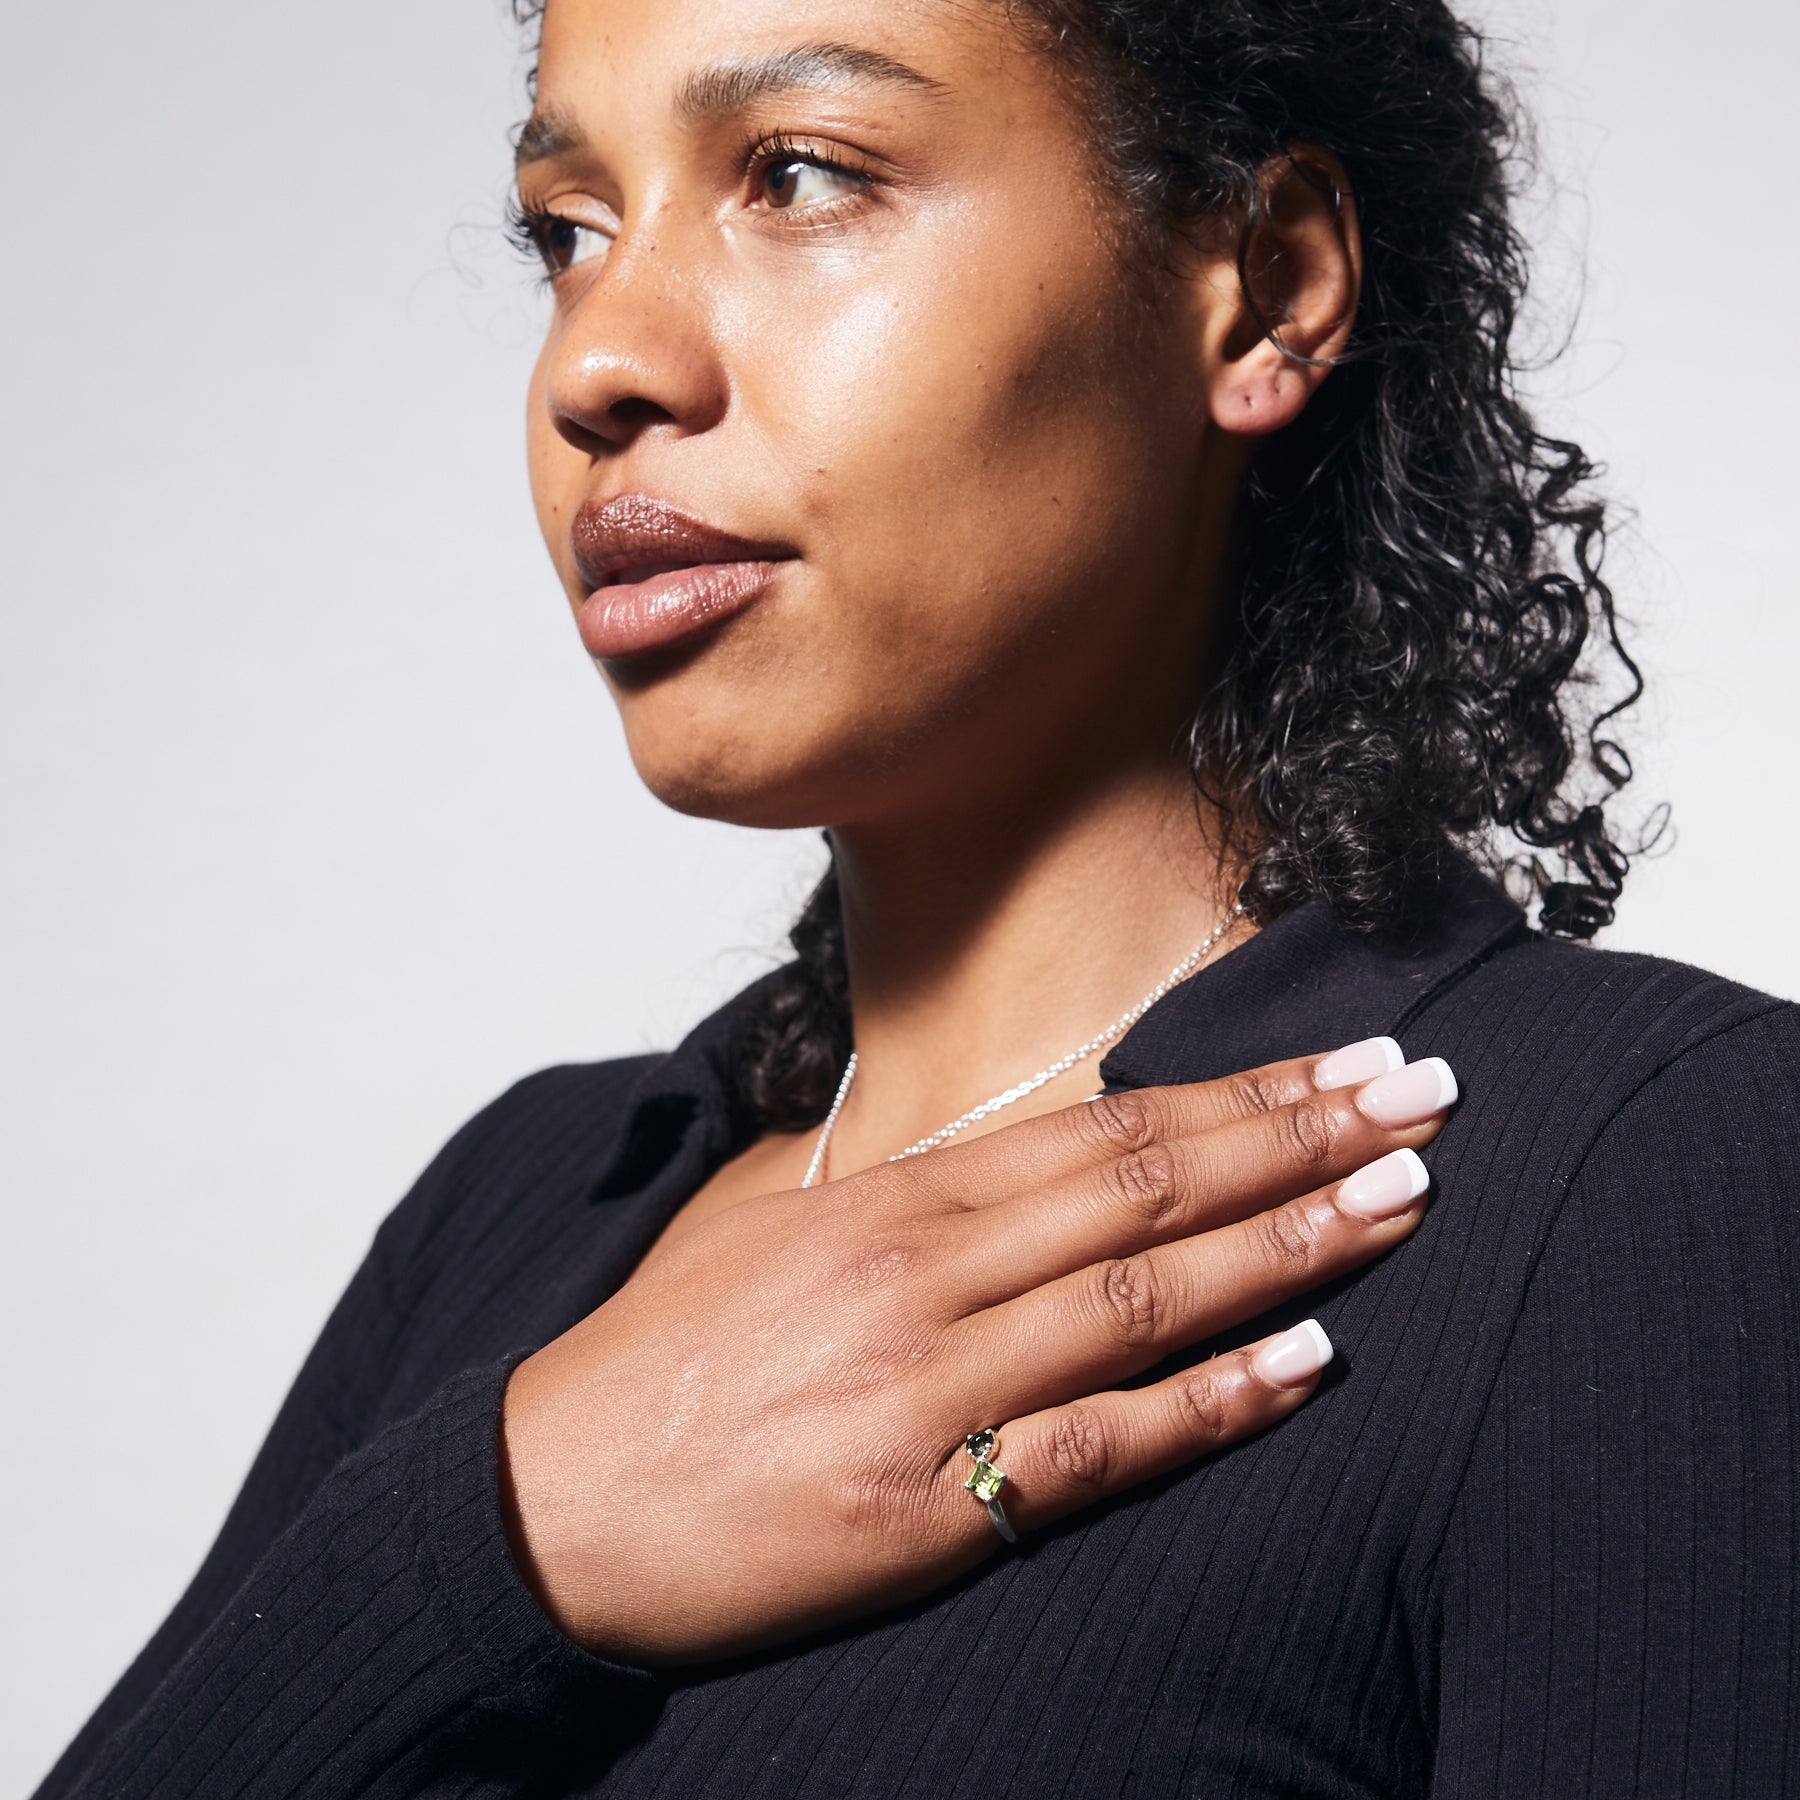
[[1296, 284]]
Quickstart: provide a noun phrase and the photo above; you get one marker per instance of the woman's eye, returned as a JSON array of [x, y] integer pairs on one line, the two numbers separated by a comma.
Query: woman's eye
[[566, 243], [797, 181]]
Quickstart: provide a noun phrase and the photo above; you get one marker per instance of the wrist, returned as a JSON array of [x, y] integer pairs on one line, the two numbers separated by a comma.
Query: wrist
[[552, 1545]]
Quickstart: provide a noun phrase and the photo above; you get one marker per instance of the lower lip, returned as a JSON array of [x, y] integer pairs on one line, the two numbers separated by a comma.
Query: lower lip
[[629, 617]]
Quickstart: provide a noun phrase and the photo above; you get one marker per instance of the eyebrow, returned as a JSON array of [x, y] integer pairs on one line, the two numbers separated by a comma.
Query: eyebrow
[[728, 87], [544, 135]]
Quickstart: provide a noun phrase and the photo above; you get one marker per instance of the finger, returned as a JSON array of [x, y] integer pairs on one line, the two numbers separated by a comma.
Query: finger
[[1107, 1322], [1066, 1457], [988, 1170], [1161, 1190]]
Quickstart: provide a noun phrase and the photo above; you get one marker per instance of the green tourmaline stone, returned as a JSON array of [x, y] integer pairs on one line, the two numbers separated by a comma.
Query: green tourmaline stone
[[986, 1482]]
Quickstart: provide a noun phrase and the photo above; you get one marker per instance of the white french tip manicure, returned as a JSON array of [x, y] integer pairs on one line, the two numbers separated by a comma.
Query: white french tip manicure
[[1448, 1091], [1358, 1062], [1387, 1186], [1297, 1355]]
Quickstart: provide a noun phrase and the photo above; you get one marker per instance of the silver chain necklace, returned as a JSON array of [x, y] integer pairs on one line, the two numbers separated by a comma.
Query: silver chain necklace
[[1117, 1029]]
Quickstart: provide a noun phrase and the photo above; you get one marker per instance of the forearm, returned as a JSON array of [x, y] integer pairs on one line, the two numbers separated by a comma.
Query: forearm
[[382, 1644]]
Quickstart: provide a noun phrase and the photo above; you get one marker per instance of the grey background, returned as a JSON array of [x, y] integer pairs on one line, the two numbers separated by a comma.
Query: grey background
[[317, 827]]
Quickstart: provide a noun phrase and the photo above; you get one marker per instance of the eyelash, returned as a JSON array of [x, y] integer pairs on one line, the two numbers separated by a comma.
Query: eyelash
[[525, 227], [528, 227], [762, 153]]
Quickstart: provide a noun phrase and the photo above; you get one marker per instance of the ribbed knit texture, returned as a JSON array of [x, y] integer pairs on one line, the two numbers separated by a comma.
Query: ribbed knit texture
[[1535, 1536]]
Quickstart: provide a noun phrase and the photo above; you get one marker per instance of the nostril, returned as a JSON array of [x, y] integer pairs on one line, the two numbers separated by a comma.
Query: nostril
[[611, 426], [635, 412]]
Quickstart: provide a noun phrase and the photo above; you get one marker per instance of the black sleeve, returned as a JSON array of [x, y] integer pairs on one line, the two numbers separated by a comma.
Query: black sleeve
[[359, 1625], [1615, 1598]]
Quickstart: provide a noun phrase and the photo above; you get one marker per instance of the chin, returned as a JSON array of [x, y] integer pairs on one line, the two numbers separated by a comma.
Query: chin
[[762, 739], [760, 785]]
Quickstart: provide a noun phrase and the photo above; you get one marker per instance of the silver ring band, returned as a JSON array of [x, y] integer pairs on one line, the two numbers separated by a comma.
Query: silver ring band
[[986, 1481], [1001, 1523]]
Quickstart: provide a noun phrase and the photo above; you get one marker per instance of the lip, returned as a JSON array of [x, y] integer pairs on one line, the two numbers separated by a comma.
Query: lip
[[657, 575]]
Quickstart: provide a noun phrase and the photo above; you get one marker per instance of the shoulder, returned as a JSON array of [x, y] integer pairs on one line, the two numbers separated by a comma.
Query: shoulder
[[1579, 1031], [569, 1109], [1612, 1094], [545, 1139], [1712, 1132], [1652, 1215]]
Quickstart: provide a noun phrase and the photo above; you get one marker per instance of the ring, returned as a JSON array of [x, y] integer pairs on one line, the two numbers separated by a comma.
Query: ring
[[986, 1481]]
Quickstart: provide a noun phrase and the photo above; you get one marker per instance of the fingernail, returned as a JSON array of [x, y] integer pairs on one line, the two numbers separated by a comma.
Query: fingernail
[[1384, 1187], [1361, 1061], [1296, 1356], [1411, 1095]]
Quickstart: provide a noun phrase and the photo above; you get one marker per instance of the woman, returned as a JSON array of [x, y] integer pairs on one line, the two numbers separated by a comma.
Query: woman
[[1066, 450]]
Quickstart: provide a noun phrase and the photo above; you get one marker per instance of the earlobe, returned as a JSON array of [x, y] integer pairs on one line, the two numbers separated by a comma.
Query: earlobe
[[1263, 392]]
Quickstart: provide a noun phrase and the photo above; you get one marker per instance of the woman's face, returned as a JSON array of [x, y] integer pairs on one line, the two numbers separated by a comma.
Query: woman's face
[[838, 281]]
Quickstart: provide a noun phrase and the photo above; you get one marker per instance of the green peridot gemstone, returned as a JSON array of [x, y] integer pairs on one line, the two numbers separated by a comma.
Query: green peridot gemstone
[[986, 1482]]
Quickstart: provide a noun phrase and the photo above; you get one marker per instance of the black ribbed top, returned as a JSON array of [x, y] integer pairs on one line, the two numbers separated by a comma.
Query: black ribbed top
[[1535, 1535]]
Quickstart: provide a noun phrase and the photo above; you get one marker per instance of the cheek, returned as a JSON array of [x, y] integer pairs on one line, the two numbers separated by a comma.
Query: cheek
[[964, 436]]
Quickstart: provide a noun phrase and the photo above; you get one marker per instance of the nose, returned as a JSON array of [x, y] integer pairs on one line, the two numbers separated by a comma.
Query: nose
[[635, 353]]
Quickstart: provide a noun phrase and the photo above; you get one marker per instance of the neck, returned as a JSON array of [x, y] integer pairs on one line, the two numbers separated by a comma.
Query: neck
[[987, 945]]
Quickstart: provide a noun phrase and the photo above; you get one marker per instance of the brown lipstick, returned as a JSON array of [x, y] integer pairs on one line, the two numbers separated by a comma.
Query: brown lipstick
[[657, 575]]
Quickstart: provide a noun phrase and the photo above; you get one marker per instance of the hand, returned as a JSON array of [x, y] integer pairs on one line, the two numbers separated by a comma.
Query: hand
[[762, 1432]]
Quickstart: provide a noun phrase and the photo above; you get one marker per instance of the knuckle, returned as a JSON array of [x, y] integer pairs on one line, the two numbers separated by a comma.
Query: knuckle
[[1203, 1405], [877, 1263], [1081, 1449], [1255, 1092], [1147, 1183], [1126, 1296], [1122, 1122], [1314, 1126], [1290, 1239]]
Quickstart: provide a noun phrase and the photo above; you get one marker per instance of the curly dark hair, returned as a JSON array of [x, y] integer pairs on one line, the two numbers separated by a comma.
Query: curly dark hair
[[1422, 573]]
